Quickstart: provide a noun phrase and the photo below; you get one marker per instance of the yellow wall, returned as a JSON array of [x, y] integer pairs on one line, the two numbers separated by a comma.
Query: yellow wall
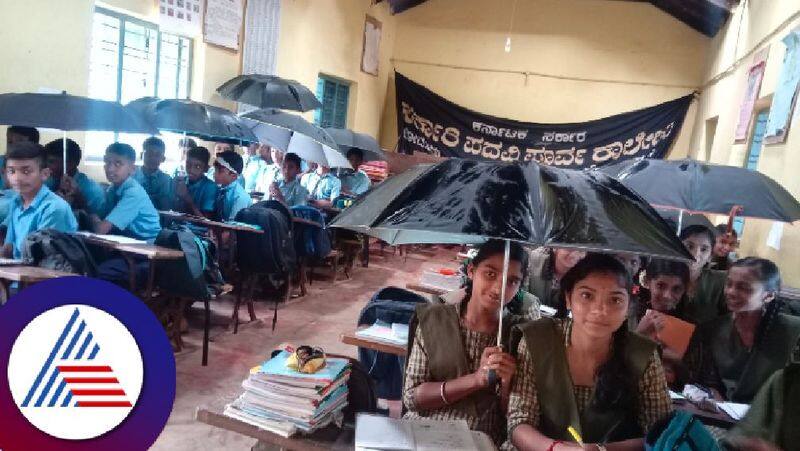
[[751, 24], [625, 42]]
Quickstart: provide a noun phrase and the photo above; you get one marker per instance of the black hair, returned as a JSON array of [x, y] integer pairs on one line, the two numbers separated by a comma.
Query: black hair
[[26, 151], [697, 229], [493, 247], [615, 386], [293, 158], [660, 267], [357, 152], [123, 150], [155, 143], [766, 272], [56, 147], [722, 229], [199, 153], [233, 159], [29, 132], [187, 142]]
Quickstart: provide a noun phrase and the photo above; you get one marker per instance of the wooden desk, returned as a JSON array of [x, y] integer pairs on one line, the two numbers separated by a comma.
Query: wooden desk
[[719, 419], [426, 289], [380, 346], [26, 275], [205, 222]]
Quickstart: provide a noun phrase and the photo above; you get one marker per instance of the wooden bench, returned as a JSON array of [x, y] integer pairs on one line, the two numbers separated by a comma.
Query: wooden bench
[[25, 275]]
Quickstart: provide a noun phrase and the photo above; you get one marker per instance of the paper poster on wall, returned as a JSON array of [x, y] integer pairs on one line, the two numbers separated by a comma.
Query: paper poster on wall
[[181, 16], [780, 113], [372, 46], [223, 23], [775, 235], [754, 77]]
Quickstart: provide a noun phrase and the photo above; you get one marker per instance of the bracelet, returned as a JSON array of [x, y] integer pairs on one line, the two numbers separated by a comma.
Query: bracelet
[[441, 393], [554, 444]]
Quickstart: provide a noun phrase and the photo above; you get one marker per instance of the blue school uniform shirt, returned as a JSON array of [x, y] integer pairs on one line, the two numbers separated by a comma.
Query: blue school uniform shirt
[[293, 192], [91, 191], [327, 187], [271, 173], [203, 192], [129, 209], [47, 211], [254, 166], [356, 182], [229, 200], [6, 199], [158, 186]]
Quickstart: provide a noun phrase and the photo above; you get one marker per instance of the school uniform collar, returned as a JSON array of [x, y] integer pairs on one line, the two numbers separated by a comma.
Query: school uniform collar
[[44, 191], [189, 181], [124, 186]]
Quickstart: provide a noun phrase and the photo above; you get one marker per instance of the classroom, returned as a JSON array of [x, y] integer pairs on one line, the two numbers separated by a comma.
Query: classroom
[[402, 224]]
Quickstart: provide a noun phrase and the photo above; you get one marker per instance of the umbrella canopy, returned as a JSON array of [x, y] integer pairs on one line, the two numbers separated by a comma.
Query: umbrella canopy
[[708, 188], [70, 113], [465, 201], [674, 217], [348, 139], [269, 134], [292, 122], [192, 118], [310, 150], [269, 91]]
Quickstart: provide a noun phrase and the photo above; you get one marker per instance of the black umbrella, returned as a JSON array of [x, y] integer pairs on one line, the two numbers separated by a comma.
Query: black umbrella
[[69, 113], [269, 91], [695, 186], [192, 118], [348, 139], [293, 122], [679, 220], [466, 202]]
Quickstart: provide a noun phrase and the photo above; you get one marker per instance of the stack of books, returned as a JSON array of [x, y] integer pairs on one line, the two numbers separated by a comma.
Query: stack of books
[[284, 401]]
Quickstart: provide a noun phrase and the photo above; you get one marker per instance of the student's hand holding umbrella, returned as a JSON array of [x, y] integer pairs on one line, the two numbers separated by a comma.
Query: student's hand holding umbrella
[[504, 366], [275, 192], [68, 189]]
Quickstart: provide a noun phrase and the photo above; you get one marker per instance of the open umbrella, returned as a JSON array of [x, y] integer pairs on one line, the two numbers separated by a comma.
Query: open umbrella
[[694, 186], [466, 202], [310, 150], [292, 122], [69, 113], [192, 118], [347, 139], [269, 134], [269, 91]]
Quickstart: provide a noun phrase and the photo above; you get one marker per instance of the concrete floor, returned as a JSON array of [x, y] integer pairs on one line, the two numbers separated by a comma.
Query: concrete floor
[[316, 319]]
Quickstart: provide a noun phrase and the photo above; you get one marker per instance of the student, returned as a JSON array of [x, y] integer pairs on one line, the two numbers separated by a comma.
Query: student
[[705, 295], [81, 192], [323, 187], [724, 247], [34, 207], [546, 269], [184, 144], [127, 210], [272, 172], [195, 192], [288, 189], [588, 372], [454, 347], [254, 166], [218, 149], [736, 353], [155, 182], [231, 196], [17, 134], [357, 182]]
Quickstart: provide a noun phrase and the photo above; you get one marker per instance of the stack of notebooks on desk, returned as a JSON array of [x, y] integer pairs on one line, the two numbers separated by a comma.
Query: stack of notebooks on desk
[[281, 400]]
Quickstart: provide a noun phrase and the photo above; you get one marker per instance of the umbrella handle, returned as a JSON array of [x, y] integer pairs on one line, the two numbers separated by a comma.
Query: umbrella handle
[[492, 378]]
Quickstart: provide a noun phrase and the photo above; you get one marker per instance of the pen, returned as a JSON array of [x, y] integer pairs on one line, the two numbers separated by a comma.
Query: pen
[[575, 435]]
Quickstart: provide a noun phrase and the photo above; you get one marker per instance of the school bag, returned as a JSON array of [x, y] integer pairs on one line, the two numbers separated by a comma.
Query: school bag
[[390, 305], [196, 276], [53, 249], [271, 252], [680, 431], [310, 241]]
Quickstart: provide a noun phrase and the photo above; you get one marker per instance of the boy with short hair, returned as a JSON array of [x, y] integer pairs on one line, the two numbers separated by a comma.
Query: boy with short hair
[[34, 206], [288, 190], [231, 196], [16, 134], [356, 182], [195, 192], [155, 182], [81, 192], [323, 187]]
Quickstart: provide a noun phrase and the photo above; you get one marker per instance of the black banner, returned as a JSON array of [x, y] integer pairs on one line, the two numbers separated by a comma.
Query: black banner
[[432, 124]]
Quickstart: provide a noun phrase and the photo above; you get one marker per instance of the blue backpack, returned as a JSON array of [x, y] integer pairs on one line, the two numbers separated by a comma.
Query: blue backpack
[[310, 241], [680, 432]]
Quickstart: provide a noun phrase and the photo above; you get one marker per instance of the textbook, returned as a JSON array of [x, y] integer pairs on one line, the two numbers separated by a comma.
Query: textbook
[[275, 370]]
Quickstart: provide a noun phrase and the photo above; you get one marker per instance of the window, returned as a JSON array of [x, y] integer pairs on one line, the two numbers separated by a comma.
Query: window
[[131, 58], [753, 154], [334, 95]]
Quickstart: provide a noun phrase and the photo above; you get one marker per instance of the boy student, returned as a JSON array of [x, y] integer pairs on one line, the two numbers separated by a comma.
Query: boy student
[[231, 196], [34, 207], [254, 165], [195, 192], [288, 190], [79, 190], [16, 134], [356, 182], [184, 145], [128, 210], [218, 149], [272, 173], [155, 182], [323, 187]]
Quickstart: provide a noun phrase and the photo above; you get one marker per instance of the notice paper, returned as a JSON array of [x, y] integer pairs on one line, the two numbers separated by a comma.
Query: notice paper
[[775, 235]]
